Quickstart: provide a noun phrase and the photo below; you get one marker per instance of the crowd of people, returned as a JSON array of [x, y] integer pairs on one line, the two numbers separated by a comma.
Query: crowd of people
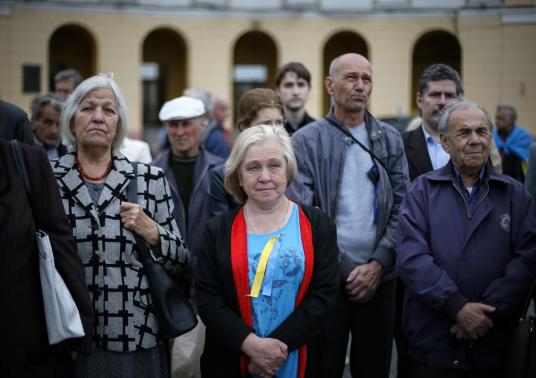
[[307, 247]]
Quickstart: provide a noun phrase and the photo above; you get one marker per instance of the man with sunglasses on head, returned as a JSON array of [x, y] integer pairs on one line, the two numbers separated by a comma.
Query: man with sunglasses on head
[[354, 168]]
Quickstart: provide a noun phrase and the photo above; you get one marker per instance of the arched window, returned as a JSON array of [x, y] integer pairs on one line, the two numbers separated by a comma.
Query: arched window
[[433, 47], [71, 47], [163, 71], [254, 64]]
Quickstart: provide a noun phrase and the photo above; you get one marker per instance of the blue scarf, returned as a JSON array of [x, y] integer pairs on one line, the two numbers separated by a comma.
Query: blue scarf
[[518, 142]]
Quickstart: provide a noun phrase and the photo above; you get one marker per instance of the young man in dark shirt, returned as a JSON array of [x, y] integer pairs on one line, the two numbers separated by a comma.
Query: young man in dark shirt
[[293, 82]]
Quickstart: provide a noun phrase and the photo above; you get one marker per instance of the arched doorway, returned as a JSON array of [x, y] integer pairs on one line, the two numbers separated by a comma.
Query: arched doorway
[[338, 44], [71, 47], [163, 71], [254, 64], [433, 47]]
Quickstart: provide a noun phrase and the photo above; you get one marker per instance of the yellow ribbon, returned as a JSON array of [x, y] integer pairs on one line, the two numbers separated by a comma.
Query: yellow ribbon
[[261, 267]]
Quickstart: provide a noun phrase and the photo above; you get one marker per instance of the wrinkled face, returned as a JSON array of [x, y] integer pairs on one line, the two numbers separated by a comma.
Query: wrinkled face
[[64, 88], [467, 140], [503, 121], [47, 127], [263, 173], [220, 111], [185, 135], [95, 120], [293, 91], [351, 85], [268, 116], [435, 97]]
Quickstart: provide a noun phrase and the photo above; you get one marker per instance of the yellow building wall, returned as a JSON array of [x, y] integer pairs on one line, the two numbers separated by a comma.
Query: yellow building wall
[[499, 66], [517, 3], [498, 61]]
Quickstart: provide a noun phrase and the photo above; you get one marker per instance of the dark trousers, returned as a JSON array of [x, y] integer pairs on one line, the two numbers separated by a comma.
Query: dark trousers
[[371, 325], [419, 370], [57, 364], [402, 346]]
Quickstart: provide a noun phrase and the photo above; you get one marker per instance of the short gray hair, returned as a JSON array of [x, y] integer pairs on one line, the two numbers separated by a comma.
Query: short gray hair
[[443, 126], [53, 100], [100, 81], [253, 136], [509, 109], [70, 74]]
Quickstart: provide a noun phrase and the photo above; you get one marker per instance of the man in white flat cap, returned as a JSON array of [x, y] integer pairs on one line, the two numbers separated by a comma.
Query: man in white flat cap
[[187, 166]]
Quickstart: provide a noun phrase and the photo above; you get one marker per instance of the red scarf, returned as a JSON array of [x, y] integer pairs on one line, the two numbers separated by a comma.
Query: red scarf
[[239, 262]]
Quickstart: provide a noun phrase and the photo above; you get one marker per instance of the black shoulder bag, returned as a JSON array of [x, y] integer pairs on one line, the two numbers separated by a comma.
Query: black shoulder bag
[[373, 173], [373, 157], [174, 313], [521, 362]]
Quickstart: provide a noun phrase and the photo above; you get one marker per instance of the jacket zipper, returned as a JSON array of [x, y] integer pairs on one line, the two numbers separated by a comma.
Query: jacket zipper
[[469, 215]]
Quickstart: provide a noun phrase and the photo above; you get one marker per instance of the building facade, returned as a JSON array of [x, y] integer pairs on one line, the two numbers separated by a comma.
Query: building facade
[[157, 48]]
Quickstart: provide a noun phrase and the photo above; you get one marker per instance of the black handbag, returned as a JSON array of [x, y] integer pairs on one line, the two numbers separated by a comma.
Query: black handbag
[[174, 313], [521, 362]]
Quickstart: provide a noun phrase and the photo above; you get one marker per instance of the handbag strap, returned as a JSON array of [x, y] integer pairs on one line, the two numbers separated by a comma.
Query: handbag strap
[[373, 157], [132, 196], [527, 301], [20, 164]]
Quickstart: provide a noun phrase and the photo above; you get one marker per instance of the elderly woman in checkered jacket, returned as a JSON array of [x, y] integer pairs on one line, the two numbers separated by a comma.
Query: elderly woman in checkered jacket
[[93, 178]]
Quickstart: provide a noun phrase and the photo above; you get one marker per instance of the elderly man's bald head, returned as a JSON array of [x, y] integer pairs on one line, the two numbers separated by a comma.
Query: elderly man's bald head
[[349, 57]]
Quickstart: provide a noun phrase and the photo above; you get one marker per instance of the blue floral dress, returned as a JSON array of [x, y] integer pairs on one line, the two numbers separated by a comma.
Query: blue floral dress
[[279, 289]]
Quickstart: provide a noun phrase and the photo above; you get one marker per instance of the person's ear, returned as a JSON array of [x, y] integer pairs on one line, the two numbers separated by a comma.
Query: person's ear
[[419, 101], [328, 83], [444, 142]]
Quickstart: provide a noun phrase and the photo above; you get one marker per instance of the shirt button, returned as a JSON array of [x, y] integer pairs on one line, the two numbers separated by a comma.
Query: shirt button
[[94, 226], [456, 362]]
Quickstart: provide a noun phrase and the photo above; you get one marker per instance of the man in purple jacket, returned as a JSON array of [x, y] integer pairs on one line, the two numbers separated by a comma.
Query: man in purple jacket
[[467, 254]]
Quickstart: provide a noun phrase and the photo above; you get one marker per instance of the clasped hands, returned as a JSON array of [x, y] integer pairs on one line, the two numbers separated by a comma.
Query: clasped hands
[[267, 355], [363, 281], [472, 321], [135, 219]]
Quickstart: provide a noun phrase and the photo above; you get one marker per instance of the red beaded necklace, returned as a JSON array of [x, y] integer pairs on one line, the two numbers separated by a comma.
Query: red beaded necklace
[[91, 178]]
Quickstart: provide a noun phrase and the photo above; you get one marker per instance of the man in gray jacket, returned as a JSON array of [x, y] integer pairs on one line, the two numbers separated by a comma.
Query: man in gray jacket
[[353, 167]]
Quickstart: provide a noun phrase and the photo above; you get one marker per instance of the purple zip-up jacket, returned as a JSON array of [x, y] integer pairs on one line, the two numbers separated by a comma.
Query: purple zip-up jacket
[[448, 256]]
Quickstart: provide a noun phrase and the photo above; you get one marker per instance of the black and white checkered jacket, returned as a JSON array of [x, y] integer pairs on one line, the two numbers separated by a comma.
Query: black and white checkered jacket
[[124, 320]]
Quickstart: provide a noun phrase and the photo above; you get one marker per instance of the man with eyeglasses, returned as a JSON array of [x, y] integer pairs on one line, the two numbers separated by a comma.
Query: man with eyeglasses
[[466, 253], [354, 168], [187, 166]]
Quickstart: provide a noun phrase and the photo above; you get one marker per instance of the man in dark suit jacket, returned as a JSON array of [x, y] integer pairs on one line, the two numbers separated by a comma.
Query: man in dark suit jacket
[[439, 85], [14, 123]]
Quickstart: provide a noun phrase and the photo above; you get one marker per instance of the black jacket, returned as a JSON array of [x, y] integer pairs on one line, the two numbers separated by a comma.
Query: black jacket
[[419, 161], [219, 307], [24, 348], [14, 123]]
